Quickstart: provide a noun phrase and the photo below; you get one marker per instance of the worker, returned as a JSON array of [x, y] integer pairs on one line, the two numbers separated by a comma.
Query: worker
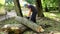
[[33, 11]]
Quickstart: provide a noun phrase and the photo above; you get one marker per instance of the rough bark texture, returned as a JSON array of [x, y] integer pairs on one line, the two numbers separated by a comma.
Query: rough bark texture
[[29, 24], [18, 8], [39, 7]]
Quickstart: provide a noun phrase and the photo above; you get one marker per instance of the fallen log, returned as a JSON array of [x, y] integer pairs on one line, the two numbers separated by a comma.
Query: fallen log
[[17, 28], [7, 27], [29, 24]]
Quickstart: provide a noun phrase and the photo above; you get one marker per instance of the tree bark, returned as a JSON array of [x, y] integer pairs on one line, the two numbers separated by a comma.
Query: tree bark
[[39, 7], [29, 24], [18, 8]]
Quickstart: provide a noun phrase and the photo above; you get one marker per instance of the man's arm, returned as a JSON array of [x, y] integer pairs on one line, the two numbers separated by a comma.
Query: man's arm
[[29, 14]]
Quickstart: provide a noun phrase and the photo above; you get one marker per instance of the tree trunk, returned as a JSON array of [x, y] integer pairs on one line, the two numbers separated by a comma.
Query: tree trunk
[[59, 4], [29, 24], [39, 7], [46, 8], [58, 1], [18, 8]]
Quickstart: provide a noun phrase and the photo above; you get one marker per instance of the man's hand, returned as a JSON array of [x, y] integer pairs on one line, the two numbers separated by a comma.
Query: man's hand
[[29, 14], [27, 17]]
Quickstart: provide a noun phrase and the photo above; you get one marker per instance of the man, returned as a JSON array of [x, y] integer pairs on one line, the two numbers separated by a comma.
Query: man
[[34, 12]]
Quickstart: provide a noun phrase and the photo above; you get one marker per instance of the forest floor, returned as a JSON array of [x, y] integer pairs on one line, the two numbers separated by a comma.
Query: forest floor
[[51, 18]]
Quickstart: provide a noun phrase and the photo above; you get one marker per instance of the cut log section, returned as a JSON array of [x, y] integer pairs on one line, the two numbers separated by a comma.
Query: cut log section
[[14, 27], [29, 24]]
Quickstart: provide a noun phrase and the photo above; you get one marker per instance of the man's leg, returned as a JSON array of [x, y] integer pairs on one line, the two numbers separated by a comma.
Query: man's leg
[[33, 19]]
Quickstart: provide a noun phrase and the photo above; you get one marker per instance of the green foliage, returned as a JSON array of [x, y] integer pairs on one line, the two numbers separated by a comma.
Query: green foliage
[[9, 7], [31, 1], [49, 3], [9, 1], [1, 5], [57, 1]]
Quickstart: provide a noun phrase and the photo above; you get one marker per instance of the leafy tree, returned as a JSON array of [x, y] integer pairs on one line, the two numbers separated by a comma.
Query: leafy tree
[[9, 5], [49, 3]]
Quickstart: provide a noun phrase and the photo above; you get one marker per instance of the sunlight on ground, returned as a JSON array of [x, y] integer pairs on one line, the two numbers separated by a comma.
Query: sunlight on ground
[[52, 16]]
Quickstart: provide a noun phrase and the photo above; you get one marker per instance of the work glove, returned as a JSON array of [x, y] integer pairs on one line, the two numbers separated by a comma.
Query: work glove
[[27, 17]]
